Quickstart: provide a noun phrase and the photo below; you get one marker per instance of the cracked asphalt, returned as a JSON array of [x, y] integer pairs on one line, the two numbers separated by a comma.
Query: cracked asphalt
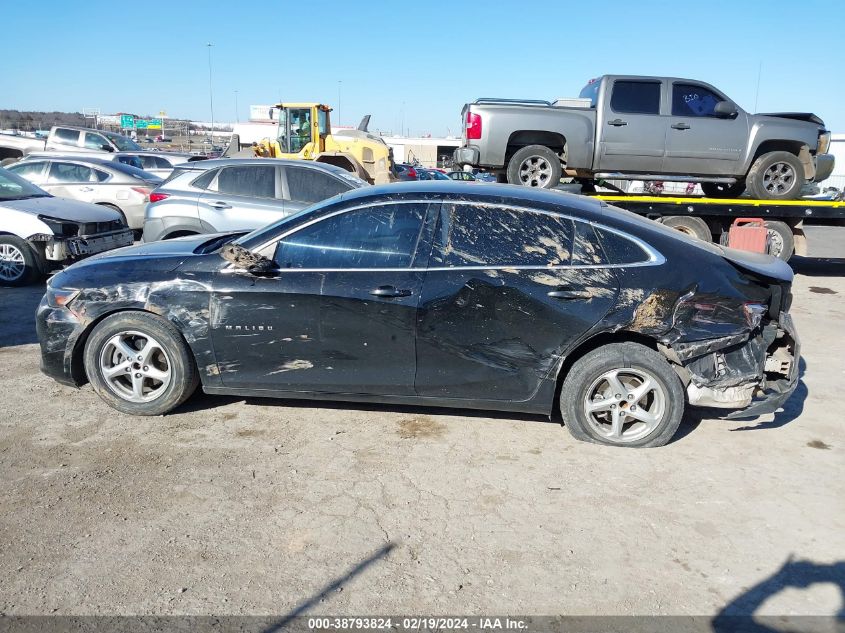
[[234, 506]]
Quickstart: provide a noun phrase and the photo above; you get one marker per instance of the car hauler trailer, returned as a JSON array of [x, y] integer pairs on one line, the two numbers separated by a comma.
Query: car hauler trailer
[[710, 219]]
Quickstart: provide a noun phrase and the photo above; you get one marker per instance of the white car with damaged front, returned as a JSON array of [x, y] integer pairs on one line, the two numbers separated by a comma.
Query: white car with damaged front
[[39, 232]]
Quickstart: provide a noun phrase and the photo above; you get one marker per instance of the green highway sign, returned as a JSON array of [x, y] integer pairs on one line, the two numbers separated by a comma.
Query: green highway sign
[[129, 122]]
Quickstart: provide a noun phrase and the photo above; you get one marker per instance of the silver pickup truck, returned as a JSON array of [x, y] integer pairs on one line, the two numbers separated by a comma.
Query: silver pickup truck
[[647, 128], [65, 139]]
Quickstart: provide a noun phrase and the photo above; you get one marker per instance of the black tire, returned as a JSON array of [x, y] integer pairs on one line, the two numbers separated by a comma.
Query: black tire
[[630, 359], [176, 358], [690, 225], [18, 262], [541, 167], [719, 190], [776, 176], [781, 239]]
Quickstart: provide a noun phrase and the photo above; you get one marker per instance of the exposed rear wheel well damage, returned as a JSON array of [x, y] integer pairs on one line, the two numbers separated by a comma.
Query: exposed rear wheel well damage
[[592, 343]]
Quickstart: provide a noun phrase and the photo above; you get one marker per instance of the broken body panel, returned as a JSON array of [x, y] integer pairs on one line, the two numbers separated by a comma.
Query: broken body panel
[[474, 335]]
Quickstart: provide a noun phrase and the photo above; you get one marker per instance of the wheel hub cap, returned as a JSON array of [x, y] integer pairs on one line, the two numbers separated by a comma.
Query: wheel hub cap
[[12, 265], [625, 405], [779, 178], [135, 366], [535, 171]]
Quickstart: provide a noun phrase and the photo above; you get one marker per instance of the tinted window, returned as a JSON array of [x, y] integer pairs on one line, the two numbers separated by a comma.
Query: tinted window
[[28, 170], [132, 161], [101, 176], [95, 141], [383, 236], [692, 100], [203, 182], [257, 181], [620, 250], [636, 97], [65, 136], [155, 162], [311, 185], [69, 172], [470, 235]]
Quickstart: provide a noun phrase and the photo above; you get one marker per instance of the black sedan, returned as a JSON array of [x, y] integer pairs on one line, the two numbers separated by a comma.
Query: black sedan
[[496, 297]]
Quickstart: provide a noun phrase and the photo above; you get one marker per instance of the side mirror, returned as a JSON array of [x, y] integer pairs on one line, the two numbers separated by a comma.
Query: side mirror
[[243, 258], [725, 109], [106, 148]]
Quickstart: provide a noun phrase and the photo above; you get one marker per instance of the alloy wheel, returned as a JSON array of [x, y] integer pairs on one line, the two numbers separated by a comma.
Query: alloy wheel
[[535, 171], [779, 178], [12, 263], [135, 366], [625, 405]]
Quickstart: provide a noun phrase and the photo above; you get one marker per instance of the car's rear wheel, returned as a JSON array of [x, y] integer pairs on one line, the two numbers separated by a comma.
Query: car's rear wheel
[[140, 364], [18, 263], [622, 394], [535, 166]]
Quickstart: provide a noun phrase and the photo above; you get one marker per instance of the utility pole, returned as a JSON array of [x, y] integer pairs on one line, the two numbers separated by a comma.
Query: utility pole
[[210, 91]]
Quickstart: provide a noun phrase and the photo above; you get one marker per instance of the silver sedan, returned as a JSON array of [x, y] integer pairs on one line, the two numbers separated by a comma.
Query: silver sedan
[[108, 183]]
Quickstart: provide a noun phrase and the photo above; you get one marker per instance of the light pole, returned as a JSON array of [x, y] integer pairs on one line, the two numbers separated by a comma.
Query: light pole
[[210, 91], [237, 116]]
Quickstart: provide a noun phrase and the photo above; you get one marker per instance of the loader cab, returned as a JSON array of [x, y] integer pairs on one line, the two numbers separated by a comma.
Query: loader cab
[[303, 128]]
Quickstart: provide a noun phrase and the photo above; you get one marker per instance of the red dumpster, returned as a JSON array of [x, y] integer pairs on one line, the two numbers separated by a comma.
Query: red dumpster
[[749, 234]]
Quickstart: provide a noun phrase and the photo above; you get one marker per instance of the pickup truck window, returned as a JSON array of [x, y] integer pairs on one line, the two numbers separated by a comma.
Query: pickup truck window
[[95, 141], [65, 136], [693, 100], [469, 235], [636, 97]]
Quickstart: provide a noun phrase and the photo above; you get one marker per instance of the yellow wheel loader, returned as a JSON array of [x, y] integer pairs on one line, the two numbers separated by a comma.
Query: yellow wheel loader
[[305, 133]]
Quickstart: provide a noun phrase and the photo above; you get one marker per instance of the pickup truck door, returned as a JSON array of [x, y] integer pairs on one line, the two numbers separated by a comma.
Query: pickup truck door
[[699, 141], [633, 134]]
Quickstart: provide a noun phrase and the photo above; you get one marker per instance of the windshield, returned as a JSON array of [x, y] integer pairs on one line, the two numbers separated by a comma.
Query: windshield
[[124, 143], [13, 187]]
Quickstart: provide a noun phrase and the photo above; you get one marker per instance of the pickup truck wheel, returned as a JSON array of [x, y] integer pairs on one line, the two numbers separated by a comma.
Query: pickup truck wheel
[[781, 240], [18, 263], [720, 190], [535, 166], [776, 176], [622, 394], [690, 225]]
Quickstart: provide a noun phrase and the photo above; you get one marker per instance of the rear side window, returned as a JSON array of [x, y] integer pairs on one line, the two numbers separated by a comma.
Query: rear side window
[[312, 185], [65, 136], [619, 249], [256, 181], [470, 235], [203, 182], [383, 236], [587, 250], [70, 172], [636, 97]]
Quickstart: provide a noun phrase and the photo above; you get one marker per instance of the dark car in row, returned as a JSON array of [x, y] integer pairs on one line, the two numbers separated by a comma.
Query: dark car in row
[[496, 297]]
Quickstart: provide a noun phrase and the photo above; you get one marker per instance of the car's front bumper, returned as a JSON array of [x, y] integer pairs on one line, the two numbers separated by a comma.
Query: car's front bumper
[[61, 249], [58, 332], [824, 166]]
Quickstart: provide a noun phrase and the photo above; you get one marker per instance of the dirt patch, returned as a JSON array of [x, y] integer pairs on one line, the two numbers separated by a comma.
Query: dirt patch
[[821, 290], [420, 426], [250, 432], [818, 444]]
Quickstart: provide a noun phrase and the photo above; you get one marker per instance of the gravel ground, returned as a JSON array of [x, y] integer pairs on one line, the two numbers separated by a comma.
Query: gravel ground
[[234, 506]]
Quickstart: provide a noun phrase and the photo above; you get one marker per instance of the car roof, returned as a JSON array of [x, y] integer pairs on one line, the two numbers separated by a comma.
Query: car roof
[[492, 192], [227, 162]]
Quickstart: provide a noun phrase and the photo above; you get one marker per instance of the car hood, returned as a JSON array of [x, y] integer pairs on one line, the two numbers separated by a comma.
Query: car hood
[[63, 209], [181, 246], [809, 117], [759, 263]]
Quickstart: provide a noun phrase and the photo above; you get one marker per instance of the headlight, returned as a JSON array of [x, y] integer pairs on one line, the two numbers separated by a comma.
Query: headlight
[[60, 297], [824, 143]]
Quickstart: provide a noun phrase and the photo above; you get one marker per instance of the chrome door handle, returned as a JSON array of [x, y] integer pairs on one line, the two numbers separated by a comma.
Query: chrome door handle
[[389, 292], [220, 205], [86, 189], [568, 294], [617, 123], [680, 126]]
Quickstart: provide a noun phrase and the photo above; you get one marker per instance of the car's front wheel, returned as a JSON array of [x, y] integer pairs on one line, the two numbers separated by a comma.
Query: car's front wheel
[[18, 263], [140, 364], [622, 394]]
